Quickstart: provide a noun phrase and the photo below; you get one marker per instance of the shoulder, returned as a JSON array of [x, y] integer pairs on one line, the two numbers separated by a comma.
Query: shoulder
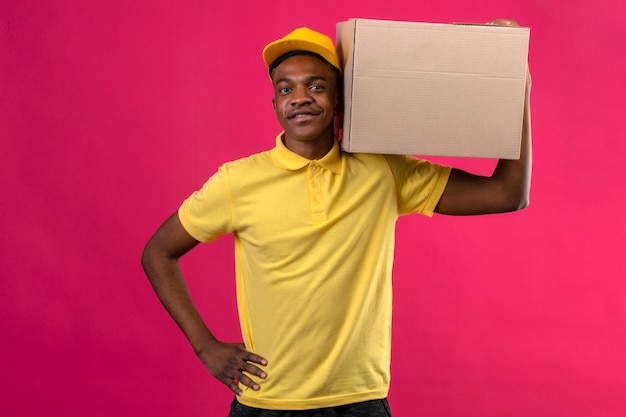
[[411, 164], [365, 160], [257, 161], [402, 168], [379, 158], [387, 162]]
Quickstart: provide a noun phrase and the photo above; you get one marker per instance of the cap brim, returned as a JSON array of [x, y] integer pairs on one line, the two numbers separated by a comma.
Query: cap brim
[[280, 47]]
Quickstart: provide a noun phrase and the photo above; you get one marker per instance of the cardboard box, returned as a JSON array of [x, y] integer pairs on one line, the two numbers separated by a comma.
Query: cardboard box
[[433, 89]]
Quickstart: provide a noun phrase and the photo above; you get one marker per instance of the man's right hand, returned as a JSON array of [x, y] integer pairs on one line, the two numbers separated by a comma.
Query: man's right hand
[[231, 363]]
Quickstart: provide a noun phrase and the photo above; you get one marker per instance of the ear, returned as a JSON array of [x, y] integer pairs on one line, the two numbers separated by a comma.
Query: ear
[[338, 104], [274, 103]]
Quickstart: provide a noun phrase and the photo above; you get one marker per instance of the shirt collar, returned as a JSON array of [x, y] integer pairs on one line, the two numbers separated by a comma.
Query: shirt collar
[[287, 159]]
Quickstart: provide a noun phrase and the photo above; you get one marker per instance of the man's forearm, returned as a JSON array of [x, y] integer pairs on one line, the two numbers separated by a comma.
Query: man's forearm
[[169, 285], [230, 363]]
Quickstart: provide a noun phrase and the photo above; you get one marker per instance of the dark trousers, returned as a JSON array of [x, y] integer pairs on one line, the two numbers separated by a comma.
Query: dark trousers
[[374, 408]]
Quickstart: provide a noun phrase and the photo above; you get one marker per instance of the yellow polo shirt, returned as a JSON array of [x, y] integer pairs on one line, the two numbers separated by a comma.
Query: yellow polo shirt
[[314, 245]]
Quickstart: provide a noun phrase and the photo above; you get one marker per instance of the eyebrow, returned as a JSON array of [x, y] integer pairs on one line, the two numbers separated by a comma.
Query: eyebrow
[[309, 79]]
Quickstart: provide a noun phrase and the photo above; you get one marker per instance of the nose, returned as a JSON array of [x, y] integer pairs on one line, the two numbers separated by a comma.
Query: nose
[[300, 96]]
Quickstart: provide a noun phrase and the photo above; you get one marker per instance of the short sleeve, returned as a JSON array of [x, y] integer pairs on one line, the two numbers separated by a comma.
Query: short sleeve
[[419, 183], [207, 213]]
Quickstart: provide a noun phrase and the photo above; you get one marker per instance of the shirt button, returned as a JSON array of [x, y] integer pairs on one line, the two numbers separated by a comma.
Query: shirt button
[[314, 185], [316, 201], [313, 167]]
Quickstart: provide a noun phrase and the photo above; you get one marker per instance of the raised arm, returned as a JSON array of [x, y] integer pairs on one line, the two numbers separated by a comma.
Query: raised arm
[[507, 189], [225, 361]]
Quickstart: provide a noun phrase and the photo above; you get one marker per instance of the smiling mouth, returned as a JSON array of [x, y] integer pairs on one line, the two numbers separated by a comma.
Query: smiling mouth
[[302, 115]]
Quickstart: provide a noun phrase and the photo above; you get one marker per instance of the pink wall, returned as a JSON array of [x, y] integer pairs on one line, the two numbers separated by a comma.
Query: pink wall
[[112, 112]]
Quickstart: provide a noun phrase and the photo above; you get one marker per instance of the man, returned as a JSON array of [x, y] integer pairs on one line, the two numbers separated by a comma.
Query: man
[[314, 236]]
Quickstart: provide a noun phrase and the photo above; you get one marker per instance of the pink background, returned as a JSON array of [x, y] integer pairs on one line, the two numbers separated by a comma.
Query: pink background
[[112, 112]]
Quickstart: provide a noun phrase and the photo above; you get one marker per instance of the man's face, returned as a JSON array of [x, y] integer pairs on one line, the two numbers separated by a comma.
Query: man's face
[[305, 98]]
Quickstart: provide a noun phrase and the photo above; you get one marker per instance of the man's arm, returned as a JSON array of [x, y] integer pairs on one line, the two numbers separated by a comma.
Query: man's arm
[[507, 189], [227, 362]]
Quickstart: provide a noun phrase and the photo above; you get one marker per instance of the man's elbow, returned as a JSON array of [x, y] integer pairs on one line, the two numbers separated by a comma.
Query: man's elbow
[[517, 201], [150, 257], [522, 204], [146, 258]]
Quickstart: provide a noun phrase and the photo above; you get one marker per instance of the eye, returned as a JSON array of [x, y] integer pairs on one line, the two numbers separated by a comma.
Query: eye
[[284, 90]]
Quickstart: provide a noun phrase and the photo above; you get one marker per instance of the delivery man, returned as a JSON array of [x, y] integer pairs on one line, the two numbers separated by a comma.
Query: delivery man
[[314, 239]]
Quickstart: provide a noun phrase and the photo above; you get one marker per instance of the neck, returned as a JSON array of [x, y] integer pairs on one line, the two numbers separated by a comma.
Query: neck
[[310, 149]]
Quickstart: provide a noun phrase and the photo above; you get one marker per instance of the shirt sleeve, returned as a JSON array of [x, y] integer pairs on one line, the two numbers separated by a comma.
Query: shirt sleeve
[[207, 213], [419, 183]]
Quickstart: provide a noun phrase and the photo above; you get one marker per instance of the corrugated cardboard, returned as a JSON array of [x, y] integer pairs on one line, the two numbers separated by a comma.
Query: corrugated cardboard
[[433, 89]]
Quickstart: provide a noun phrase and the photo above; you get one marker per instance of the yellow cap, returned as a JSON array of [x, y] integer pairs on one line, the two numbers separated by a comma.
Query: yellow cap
[[302, 39]]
